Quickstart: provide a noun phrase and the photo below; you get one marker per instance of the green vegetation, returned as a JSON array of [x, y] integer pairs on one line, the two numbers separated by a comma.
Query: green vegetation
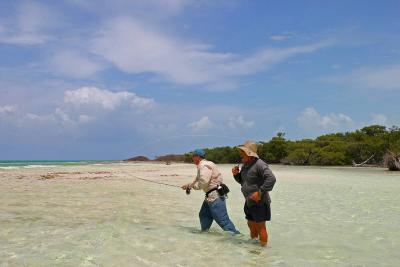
[[170, 158], [374, 142]]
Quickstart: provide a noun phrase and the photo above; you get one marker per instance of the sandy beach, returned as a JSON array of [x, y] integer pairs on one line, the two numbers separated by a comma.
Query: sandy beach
[[101, 215]]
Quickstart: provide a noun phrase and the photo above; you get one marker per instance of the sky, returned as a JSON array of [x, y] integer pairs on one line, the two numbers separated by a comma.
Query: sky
[[115, 79]]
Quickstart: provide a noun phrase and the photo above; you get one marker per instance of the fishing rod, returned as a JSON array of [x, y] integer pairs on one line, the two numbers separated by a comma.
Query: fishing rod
[[155, 182]]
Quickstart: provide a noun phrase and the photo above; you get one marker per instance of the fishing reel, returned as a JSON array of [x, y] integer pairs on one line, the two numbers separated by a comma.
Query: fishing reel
[[188, 191]]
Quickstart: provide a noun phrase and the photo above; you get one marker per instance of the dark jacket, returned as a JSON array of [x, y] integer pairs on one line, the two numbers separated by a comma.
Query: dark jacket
[[256, 177]]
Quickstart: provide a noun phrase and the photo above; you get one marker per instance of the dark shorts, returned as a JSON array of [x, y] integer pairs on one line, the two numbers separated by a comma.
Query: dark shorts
[[259, 212]]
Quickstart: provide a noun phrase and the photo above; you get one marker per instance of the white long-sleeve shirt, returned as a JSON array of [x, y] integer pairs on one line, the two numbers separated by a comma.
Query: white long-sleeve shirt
[[208, 177]]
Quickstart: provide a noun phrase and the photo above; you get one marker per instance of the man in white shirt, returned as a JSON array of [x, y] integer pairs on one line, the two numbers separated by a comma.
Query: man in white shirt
[[214, 207]]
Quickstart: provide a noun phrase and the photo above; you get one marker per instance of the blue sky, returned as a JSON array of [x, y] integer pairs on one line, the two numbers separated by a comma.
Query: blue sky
[[112, 79]]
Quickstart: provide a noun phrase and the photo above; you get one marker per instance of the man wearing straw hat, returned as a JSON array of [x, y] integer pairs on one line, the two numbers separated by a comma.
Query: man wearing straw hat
[[209, 180], [256, 180]]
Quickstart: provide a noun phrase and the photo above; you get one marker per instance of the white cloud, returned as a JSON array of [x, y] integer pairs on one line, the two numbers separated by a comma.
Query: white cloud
[[278, 37], [27, 26], [137, 48], [14, 116], [379, 119], [149, 9], [82, 106], [281, 37], [106, 99], [382, 78], [313, 122], [265, 59], [29, 118], [136, 7], [74, 64], [8, 109], [85, 118], [203, 124], [68, 118], [133, 46], [62, 115], [239, 122], [24, 39]]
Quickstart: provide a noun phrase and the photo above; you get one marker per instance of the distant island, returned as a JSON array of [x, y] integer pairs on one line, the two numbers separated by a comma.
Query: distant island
[[165, 158], [373, 145], [138, 158]]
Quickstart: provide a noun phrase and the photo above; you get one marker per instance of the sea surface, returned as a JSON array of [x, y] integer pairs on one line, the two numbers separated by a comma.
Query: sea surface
[[15, 164], [320, 217]]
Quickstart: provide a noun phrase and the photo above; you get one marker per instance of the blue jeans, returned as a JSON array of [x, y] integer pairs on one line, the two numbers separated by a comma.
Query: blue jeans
[[216, 211]]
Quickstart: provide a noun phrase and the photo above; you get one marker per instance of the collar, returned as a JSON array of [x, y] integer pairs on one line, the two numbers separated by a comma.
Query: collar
[[198, 165], [251, 163]]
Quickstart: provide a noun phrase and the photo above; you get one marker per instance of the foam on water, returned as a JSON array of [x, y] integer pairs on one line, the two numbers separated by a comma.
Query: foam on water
[[38, 166], [321, 217], [48, 163]]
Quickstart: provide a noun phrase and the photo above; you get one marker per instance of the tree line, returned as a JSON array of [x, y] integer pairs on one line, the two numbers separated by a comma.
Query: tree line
[[373, 142]]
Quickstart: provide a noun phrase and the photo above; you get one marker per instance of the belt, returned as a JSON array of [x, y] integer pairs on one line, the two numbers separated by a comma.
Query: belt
[[214, 189]]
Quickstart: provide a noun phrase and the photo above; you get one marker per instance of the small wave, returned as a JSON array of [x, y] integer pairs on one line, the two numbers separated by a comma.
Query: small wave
[[39, 166], [74, 162], [9, 168]]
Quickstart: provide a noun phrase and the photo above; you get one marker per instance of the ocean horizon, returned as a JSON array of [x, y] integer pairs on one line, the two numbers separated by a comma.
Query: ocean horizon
[[13, 164]]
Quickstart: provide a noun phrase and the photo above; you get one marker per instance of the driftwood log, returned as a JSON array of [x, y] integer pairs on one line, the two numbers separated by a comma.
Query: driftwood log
[[362, 163], [392, 161]]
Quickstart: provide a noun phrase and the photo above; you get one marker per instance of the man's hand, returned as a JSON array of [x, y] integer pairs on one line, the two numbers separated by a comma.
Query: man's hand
[[186, 186], [256, 196], [235, 170]]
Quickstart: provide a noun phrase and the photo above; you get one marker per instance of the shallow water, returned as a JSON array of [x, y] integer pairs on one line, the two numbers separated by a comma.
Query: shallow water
[[17, 164], [320, 217]]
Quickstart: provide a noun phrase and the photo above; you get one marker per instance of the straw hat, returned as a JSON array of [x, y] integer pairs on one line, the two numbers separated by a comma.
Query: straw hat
[[250, 148]]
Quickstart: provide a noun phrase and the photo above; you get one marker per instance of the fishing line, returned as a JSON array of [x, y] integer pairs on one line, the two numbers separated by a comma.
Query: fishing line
[[151, 181], [155, 182]]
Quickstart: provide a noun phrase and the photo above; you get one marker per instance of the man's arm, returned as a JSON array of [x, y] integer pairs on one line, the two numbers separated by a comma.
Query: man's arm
[[269, 180], [236, 174], [266, 173], [193, 185], [238, 178]]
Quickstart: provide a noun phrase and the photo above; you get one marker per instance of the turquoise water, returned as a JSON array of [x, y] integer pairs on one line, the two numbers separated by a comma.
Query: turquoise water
[[10, 164]]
